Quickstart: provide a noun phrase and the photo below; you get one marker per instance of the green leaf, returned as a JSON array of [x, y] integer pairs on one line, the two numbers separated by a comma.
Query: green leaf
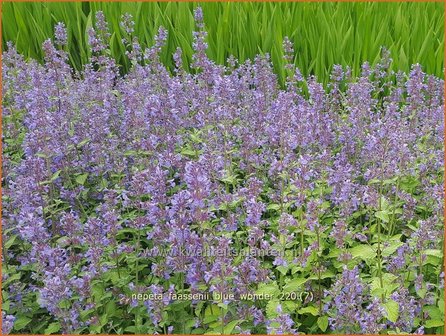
[[55, 175], [324, 275], [391, 248], [210, 318], [212, 310], [374, 181], [421, 291], [222, 305], [52, 328], [10, 241], [434, 312], [189, 152], [273, 206], [195, 138], [282, 269], [434, 323], [383, 215], [42, 155], [131, 329], [294, 285], [441, 303], [322, 323], [231, 179], [309, 310], [103, 320], [384, 204], [21, 322], [85, 313], [434, 253], [83, 142], [12, 278], [392, 310], [80, 179], [130, 153], [270, 289], [389, 285], [98, 291], [363, 252], [6, 304], [64, 304], [390, 181], [110, 308], [271, 308], [227, 330]]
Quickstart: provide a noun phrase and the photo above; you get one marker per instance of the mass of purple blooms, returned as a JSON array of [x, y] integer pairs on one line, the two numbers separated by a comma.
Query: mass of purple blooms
[[170, 200]]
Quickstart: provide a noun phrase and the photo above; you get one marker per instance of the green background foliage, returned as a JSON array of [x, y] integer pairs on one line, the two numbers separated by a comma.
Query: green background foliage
[[323, 33]]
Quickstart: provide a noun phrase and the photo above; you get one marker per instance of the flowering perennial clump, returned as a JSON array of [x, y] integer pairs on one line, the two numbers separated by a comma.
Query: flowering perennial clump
[[124, 193]]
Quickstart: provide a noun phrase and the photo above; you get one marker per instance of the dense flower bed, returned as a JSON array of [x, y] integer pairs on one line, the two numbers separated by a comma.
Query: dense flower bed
[[327, 203]]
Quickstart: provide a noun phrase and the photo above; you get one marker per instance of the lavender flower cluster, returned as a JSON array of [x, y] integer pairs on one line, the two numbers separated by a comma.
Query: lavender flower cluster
[[111, 181]]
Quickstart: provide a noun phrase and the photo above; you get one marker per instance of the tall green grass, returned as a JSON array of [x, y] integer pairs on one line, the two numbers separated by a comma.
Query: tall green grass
[[324, 34]]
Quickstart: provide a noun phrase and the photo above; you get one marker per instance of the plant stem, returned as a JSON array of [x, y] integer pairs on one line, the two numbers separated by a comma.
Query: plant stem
[[137, 280], [81, 207], [319, 270], [392, 221], [378, 252], [301, 234], [421, 273], [182, 292], [117, 264], [222, 315]]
